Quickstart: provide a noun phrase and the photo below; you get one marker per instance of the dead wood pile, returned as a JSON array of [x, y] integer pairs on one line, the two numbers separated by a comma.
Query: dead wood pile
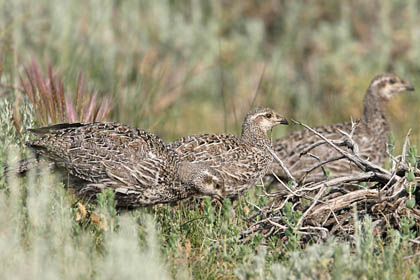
[[322, 209]]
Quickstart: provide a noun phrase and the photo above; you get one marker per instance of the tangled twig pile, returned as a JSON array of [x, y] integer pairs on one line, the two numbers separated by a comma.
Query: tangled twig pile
[[321, 209]]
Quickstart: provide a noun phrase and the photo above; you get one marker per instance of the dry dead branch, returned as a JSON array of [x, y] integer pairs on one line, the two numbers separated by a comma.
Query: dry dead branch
[[327, 207]]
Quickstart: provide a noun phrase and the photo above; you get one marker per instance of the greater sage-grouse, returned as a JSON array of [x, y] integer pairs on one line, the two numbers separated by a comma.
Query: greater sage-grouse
[[371, 135], [136, 164], [240, 161]]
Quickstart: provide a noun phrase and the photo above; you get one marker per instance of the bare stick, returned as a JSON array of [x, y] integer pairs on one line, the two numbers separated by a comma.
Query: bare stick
[[321, 164], [361, 177], [322, 167], [281, 164], [318, 195], [311, 147], [344, 201], [362, 164], [349, 137], [335, 218], [283, 184]]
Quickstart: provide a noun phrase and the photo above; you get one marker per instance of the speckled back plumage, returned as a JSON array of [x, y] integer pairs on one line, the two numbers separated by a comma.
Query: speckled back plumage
[[135, 163], [240, 161], [371, 135]]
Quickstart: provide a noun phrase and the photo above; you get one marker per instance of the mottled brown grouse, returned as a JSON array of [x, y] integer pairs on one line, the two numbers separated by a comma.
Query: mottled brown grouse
[[371, 135], [136, 164], [240, 161]]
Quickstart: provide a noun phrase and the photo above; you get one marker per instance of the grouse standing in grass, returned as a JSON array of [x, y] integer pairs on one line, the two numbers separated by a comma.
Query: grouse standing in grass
[[240, 161], [136, 164], [371, 135]]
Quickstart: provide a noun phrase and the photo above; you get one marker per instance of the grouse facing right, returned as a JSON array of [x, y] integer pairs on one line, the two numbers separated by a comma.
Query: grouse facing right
[[371, 135], [240, 161]]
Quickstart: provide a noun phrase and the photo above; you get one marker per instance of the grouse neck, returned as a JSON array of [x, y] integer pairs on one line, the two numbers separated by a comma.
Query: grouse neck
[[373, 109], [255, 136]]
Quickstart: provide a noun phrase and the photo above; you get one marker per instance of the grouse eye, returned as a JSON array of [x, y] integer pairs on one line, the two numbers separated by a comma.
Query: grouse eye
[[392, 81], [268, 115]]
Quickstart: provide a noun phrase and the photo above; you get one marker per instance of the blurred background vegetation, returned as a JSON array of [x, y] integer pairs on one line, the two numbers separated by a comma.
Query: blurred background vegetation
[[183, 67]]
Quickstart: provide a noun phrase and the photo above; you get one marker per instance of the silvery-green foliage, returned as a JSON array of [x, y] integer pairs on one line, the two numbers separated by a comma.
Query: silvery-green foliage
[[125, 259], [40, 238]]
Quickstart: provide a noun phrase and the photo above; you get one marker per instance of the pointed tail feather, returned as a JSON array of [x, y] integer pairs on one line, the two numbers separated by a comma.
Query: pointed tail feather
[[47, 129]]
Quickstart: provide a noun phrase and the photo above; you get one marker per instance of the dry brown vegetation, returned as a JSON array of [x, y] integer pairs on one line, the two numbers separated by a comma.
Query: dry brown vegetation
[[331, 207]]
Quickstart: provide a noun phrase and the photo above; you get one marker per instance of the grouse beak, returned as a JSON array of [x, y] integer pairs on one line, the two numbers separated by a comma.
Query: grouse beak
[[283, 121], [408, 86]]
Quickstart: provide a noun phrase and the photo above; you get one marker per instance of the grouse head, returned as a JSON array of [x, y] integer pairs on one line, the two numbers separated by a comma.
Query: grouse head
[[385, 86], [264, 118]]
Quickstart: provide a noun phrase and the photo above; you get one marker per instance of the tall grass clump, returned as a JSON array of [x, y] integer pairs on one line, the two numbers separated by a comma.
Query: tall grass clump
[[52, 104], [40, 238], [126, 258]]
